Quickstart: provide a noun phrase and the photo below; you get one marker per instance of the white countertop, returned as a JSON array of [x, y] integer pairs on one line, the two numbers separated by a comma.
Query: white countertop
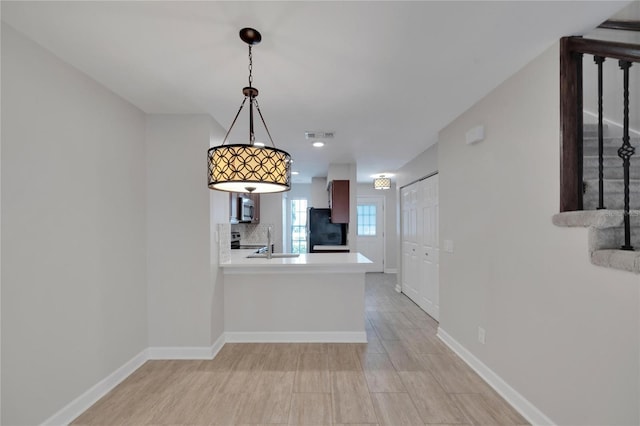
[[309, 262]]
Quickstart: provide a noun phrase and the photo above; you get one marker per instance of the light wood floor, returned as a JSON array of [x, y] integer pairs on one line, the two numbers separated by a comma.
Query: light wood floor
[[403, 376]]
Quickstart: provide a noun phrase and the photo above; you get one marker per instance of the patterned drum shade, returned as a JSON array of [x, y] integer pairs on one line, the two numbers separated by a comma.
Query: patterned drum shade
[[382, 183], [247, 168]]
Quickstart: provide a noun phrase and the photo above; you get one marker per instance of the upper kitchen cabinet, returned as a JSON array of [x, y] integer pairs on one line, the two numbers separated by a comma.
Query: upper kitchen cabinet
[[339, 201]]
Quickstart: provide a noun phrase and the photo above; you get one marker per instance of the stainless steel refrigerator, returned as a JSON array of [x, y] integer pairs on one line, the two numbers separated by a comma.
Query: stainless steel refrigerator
[[321, 232]]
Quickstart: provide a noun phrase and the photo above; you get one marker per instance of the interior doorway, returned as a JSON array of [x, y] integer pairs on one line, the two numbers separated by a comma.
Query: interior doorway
[[370, 230]]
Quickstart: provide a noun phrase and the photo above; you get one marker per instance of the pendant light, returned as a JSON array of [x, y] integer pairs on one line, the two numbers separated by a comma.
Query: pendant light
[[250, 167], [382, 182]]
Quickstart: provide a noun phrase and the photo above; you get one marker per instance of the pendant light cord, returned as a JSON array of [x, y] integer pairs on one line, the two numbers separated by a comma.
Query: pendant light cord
[[253, 101], [250, 67]]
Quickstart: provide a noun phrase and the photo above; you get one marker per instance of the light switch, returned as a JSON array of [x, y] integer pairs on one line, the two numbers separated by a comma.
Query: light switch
[[448, 246]]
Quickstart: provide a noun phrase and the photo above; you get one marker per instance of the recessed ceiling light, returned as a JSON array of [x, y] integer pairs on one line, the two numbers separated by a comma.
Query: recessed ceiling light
[[295, 173], [318, 144]]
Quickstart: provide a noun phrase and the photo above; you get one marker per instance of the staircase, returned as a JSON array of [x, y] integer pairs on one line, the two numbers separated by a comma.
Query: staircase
[[606, 231], [613, 173]]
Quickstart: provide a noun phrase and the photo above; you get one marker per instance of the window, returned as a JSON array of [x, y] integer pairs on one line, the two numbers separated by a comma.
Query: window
[[299, 226], [367, 220]]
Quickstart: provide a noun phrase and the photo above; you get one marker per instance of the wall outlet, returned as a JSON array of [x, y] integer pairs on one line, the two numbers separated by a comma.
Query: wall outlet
[[482, 334]]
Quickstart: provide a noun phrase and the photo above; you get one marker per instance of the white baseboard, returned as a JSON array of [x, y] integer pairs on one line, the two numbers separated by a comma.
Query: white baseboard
[[187, 352], [217, 345], [79, 405], [519, 402], [390, 270], [295, 336]]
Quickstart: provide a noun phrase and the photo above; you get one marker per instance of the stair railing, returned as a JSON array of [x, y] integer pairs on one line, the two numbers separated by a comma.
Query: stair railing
[[572, 50]]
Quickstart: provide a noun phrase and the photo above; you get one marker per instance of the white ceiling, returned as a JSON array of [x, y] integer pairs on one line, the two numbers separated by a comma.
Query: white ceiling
[[385, 76]]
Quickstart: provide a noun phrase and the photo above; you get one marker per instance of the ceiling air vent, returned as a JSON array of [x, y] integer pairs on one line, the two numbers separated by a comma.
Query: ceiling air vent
[[318, 135]]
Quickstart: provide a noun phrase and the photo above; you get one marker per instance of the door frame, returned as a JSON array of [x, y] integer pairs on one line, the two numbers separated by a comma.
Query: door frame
[[401, 223], [383, 202]]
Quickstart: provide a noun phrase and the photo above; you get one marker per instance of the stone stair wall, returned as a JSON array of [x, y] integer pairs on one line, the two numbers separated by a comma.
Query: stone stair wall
[[606, 235]]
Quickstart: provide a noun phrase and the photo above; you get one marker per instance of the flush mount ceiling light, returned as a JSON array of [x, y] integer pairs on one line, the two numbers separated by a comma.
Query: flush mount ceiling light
[[382, 182], [249, 167], [318, 144]]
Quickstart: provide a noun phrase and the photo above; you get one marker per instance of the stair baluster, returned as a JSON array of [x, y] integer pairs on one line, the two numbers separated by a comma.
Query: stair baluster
[[625, 152], [599, 61]]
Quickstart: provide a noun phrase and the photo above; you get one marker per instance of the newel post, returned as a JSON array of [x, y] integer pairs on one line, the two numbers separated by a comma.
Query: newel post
[[571, 127]]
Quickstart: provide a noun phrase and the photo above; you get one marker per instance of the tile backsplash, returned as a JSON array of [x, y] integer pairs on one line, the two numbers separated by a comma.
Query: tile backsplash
[[253, 233]]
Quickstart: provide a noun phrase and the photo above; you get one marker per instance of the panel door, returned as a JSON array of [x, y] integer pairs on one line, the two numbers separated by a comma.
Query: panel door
[[429, 249], [410, 261]]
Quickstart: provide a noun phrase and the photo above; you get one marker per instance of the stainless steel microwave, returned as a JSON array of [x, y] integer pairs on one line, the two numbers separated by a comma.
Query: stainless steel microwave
[[247, 209]]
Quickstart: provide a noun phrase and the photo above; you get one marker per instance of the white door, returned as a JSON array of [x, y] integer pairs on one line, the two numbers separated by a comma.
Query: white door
[[420, 250], [429, 250], [408, 198], [370, 231]]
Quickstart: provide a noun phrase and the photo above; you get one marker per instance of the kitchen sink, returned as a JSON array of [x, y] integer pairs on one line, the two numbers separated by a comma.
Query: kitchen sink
[[273, 255]]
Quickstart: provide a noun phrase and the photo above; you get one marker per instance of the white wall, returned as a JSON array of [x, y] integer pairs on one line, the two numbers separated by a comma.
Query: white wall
[[182, 270], [319, 197], [562, 332], [391, 237], [423, 165], [74, 305], [302, 190], [218, 213], [276, 305]]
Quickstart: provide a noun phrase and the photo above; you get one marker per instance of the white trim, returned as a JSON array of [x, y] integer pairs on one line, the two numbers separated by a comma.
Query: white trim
[[79, 405], [398, 288], [217, 345], [519, 402], [296, 336], [383, 201], [390, 270], [620, 127], [187, 352]]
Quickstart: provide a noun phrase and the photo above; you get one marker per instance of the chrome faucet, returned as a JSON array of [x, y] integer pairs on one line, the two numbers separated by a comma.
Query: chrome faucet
[[269, 250]]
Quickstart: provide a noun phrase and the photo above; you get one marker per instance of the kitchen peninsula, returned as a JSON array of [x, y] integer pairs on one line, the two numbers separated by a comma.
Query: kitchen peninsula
[[316, 297]]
